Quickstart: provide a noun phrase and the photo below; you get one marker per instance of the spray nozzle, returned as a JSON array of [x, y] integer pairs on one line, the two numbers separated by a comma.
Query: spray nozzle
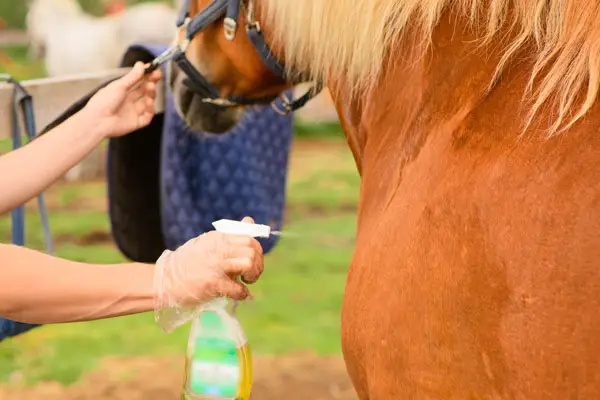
[[242, 228]]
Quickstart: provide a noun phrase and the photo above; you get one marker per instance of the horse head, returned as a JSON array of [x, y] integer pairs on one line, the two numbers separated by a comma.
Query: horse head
[[226, 66]]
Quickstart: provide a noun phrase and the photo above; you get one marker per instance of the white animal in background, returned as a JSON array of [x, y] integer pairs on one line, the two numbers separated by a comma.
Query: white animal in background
[[72, 41]]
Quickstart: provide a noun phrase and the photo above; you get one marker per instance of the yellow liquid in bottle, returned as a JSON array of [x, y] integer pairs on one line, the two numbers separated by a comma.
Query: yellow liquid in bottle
[[245, 387], [244, 362]]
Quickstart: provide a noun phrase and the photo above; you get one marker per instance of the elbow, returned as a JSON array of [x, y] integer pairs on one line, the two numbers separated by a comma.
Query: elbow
[[14, 304], [13, 311]]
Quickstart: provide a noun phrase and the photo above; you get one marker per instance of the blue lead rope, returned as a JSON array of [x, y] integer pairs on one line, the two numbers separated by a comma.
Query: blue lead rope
[[22, 101]]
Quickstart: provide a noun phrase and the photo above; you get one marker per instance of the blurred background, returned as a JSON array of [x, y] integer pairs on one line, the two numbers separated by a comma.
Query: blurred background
[[293, 324]]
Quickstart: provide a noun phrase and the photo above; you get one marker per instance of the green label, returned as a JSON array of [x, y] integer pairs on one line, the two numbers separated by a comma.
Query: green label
[[214, 369]]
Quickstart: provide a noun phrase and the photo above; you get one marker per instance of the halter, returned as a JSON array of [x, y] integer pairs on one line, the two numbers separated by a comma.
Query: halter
[[230, 9]]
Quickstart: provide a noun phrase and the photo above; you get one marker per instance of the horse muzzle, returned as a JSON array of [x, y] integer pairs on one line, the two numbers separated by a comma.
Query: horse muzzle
[[198, 114]]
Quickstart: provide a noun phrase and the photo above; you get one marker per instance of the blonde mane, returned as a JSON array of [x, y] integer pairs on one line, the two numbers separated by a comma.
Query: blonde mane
[[350, 38]]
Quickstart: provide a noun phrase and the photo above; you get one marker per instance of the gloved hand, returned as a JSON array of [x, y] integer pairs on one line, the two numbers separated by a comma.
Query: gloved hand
[[201, 270]]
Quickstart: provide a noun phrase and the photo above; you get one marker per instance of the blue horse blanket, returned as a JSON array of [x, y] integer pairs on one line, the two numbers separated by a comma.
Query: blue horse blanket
[[167, 184]]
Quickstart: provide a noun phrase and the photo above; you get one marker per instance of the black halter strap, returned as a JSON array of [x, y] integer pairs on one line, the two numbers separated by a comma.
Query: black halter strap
[[230, 10]]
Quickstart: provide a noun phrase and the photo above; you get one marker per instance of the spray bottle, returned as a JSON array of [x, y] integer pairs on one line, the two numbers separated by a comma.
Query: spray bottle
[[218, 359]]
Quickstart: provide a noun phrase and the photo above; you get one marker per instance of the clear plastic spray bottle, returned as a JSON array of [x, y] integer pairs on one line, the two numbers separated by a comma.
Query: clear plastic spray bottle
[[219, 360]]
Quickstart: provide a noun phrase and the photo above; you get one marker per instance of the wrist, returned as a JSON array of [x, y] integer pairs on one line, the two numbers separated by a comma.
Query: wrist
[[133, 285], [94, 127]]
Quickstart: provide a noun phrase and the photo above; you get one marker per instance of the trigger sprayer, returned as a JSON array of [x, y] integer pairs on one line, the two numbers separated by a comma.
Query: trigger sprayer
[[218, 359]]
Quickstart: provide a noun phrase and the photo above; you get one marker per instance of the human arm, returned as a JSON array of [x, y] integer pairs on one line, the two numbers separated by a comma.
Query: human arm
[[38, 288], [121, 107]]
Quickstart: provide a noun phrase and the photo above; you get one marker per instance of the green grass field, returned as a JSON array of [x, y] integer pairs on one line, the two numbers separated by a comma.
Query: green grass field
[[297, 301]]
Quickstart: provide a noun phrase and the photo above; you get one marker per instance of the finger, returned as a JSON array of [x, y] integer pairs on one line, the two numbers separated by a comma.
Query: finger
[[256, 246], [136, 94], [150, 105], [130, 79], [136, 99], [232, 289], [243, 241], [239, 251], [145, 119], [255, 262], [150, 89], [141, 92], [257, 269], [243, 245], [142, 103], [249, 268], [144, 108], [237, 266], [155, 76], [140, 107], [254, 243]]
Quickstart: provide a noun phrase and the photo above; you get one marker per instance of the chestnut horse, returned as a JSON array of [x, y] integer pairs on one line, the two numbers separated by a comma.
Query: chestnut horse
[[475, 128]]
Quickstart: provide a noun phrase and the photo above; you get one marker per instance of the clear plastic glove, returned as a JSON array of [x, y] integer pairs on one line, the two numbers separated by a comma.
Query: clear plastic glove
[[201, 270]]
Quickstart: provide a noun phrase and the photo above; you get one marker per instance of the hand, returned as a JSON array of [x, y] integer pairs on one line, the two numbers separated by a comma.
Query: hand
[[124, 105], [202, 269]]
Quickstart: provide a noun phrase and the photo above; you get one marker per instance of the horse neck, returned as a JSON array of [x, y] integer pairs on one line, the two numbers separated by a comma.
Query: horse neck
[[426, 93]]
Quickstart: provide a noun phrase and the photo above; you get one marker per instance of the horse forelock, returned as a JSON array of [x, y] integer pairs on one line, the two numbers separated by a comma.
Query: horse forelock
[[349, 39]]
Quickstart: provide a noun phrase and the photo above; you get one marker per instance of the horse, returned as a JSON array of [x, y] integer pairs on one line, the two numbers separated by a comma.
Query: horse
[[61, 32], [475, 127]]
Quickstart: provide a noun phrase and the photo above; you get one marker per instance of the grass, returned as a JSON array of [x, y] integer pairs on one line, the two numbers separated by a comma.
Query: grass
[[297, 301], [15, 61]]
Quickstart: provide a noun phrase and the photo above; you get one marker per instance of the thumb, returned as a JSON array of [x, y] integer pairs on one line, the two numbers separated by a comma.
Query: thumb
[[132, 77]]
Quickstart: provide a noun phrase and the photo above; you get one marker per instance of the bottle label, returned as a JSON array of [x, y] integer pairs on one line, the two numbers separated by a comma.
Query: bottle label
[[215, 368]]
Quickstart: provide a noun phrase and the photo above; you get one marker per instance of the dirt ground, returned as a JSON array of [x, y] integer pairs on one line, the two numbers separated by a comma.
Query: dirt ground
[[299, 377]]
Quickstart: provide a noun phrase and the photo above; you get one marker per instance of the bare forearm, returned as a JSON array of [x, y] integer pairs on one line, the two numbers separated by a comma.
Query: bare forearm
[[38, 288], [28, 171]]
